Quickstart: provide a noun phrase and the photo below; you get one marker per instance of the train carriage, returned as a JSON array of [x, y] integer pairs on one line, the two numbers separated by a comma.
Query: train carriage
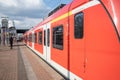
[[81, 40]]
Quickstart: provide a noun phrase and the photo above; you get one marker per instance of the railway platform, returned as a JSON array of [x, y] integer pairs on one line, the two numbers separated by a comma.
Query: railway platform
[[20, 63]]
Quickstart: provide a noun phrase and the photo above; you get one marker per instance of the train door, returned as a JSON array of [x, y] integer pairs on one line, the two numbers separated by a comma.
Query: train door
[[28, 40], [48, 42], [44, 39], [33, 39], [46, 46], [77, 46]]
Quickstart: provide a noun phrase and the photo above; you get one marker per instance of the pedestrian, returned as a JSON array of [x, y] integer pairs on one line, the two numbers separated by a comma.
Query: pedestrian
[[11, 42]]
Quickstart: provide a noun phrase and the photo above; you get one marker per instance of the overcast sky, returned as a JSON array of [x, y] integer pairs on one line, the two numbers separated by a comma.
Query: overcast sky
[[27, 13]]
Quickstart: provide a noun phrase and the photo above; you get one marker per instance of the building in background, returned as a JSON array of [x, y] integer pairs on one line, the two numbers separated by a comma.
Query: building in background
[[12, 29], [4, 31], [7, 29], [0, 34]]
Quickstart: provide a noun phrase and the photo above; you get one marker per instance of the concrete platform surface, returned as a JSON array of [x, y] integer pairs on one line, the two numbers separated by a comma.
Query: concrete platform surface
[[20, 63]]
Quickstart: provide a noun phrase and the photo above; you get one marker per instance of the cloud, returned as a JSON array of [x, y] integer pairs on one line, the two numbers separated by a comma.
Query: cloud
[[22, 3], [8, 3], [27, 22], [27, 8], [24, 12]]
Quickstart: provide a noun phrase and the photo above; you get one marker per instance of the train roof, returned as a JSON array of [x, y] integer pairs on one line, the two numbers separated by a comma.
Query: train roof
[[113, 9], [61, 11]]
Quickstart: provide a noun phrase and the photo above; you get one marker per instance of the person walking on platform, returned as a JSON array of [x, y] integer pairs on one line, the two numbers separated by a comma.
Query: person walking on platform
[[11, 42]]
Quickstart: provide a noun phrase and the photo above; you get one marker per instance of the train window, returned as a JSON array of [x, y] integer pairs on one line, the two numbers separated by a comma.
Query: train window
[[30, 37], [48, 37], [35, 37], [45, 37], [26, 38], [40, 37], [78, 25], [58, 37]]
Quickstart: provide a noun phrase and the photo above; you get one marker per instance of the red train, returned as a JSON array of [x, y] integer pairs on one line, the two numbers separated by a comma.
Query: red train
[[81, 40]]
